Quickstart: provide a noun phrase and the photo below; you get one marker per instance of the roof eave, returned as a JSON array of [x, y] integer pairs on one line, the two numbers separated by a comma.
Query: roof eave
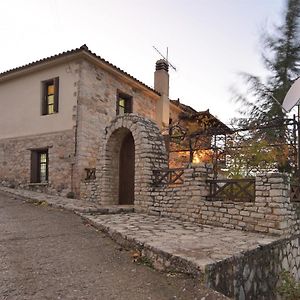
[[36, 66], [80, 53]]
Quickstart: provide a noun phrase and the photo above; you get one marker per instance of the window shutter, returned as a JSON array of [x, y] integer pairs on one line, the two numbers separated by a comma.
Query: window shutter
[[34, 167], [117, 106], [47, 166], [128, 105], [44, 99], [56, 93]]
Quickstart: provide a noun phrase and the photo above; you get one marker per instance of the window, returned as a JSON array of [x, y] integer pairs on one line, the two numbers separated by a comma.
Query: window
[[50, 96], [124, 104], [39, 166], [90, 173]]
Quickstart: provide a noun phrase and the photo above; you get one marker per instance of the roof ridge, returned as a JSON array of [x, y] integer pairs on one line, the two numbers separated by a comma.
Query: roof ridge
[[83, 47]]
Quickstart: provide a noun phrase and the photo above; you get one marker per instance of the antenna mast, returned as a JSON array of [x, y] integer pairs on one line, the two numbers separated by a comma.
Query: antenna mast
[[165, 57]]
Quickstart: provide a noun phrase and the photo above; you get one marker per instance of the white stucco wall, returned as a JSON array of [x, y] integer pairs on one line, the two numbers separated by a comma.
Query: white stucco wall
[[21, 101]]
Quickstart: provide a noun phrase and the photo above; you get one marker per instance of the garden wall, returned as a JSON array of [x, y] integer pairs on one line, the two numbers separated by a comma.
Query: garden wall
[[271, 212], [256, 274]]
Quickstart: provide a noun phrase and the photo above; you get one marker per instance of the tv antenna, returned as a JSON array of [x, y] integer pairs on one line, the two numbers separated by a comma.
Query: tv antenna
[[165, 57]]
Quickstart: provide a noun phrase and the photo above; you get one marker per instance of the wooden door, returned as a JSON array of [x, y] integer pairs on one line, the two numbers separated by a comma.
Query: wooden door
[[126, 176]]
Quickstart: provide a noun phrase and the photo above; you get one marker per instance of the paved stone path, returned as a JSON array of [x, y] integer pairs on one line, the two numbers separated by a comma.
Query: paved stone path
[[46, 253], [170, 243], [196, 244], [66, 203]]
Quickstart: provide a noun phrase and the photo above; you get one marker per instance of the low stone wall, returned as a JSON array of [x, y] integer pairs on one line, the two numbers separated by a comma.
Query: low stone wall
[[255, 274], [272, 212], [182, 200]]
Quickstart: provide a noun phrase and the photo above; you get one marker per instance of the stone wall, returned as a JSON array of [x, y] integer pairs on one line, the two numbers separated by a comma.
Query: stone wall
[[15, 161], [97, 96], [182, 201], [271, 212], [255, 274], [150, 153], [89, 190]]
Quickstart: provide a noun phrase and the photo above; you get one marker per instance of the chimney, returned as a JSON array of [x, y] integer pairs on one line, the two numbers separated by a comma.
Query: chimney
[[161, 85]]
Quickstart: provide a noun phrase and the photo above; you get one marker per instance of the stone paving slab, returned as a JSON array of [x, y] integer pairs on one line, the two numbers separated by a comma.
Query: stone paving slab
[[170, 244], [174, 241]]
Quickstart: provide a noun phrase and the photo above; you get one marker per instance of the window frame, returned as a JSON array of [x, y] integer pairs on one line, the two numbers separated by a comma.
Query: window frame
[[36, 163], [45, 100], [128, 103]]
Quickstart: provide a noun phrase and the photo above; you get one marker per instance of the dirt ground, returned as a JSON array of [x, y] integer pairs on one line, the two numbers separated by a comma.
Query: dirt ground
[[47, 253]]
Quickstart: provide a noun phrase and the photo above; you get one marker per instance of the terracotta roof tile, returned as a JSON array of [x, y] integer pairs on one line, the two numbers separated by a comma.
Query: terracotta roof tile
[[83, 48], [184, 107]]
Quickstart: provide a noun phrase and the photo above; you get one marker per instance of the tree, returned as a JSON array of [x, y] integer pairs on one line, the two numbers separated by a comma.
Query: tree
[[281, 58], [262, 112]]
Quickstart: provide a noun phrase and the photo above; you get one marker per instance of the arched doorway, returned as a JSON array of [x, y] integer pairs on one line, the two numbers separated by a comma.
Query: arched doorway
[[143, 146], [127, 171]]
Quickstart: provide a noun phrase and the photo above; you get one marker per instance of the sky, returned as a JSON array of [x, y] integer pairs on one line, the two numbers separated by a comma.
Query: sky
[[209, 41]]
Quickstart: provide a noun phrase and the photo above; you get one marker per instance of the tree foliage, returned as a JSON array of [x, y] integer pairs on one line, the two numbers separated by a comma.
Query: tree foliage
[[261, 105], [245, 157], [281, 58]]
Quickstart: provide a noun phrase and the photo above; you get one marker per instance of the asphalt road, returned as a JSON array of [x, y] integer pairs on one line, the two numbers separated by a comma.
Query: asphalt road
[[47, 253]]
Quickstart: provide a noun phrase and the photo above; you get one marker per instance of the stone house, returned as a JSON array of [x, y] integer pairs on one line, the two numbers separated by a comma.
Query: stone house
[[55, 118]]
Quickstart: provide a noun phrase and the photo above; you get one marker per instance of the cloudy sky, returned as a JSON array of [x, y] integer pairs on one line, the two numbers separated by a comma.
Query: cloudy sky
[[209, 41]]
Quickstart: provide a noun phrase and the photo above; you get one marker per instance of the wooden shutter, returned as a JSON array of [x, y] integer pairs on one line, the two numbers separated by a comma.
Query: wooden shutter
[[56, 93], [117, 105], [47, 165], [44, 99], [34, 166], [128, 104]]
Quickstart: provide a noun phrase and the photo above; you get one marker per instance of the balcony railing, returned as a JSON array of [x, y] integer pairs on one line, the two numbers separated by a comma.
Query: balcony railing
[[234, 190], [295, 193], [168, 176]]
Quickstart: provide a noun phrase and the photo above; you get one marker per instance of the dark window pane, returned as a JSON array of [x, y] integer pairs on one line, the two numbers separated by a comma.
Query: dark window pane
[[124, 104], [50, 96], [43, 157], [121, 110], [51, 89], [51, 109], [51, 99]]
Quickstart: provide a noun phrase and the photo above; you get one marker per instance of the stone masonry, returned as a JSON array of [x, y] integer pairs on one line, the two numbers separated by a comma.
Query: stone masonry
[[15, 161], [150, 154], [239, 264], [256, 273], [92, 88], [271, 212], [97, 96]]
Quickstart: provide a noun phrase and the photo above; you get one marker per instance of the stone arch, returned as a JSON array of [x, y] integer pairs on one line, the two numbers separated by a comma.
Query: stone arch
[[150, 153]]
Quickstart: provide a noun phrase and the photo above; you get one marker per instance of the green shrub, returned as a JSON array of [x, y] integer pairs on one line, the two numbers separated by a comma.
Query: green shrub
[[289, 289]]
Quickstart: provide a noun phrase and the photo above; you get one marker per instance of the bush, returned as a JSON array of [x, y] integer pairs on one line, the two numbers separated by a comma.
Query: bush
[[289, 289]]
